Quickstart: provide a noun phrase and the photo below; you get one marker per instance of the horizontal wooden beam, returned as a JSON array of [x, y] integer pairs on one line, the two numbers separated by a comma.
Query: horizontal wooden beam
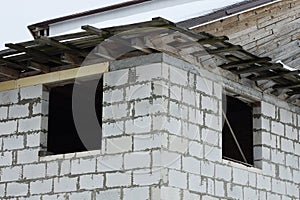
[[57, 44], [9, 72], [257, 68], [270, 76], [34, 53], [12, 62], [54, 77], [225, 49], [245, 62], [213, 40]]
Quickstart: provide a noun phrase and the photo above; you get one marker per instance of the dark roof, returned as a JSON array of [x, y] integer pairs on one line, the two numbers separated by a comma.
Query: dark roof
[[227, 11], [47, 54]]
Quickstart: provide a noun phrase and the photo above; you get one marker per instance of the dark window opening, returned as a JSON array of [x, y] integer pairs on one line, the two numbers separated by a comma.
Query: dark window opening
[[62, 134], [239, 120]]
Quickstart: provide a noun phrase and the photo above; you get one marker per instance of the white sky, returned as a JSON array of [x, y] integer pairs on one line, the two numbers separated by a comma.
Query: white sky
[[16, 15]]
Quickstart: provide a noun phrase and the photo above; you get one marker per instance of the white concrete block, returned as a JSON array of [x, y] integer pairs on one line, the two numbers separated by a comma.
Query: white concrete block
[[250, 193], [173, 126], [8, 127], [207, 168], [263, 182], [277, 156], [13, 142], [13, 173], [285, 173], [65, 184], [64, 167], [190, 97], [6, 158], [268, 109], [112, 194], [176, 92], [166, 159], [112, 129], [137, 160], [32, 124], [196, 149], [34, 171], [9, 97], [240, 176], [115, 78], [18, 111], [292, 189], [178, 144], [52, 169], [291, 133], [27, 156], [147, 176], [197, 183], [33, 140], [138, 91], [204, 85], [118, 179], [81, 195], [41, 186], [209, 104], [234, 191], [31, 92], [219, 188], [138, 125], [115, 111], [113, 95], [146, 142], [177, 179], [140, 193], [3, 113], [17, 189], [83, 165], [278, 186], [149, 72], [212, 153], [211, 137], [119, 145], [93, 181], [291, 161], [287, 145], [195, 116], [191, 165], [178, 76], [168, 193], [223, 172], [286, 116], [190, 131], [109, 163], [277, 128]]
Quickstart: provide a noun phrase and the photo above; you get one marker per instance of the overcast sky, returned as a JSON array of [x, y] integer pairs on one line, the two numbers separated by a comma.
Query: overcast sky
[[16, 15]]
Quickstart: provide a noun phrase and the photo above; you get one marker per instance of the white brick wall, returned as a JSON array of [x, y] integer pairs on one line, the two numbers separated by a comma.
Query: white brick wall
[[161, 140]]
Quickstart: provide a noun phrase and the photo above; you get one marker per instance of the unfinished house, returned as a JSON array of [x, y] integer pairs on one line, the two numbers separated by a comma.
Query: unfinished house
[[141, 101]]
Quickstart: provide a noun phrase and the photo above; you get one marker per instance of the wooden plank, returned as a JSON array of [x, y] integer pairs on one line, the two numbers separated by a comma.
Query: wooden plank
[[54, 43], [245, 62], [9, 72], [225, 49], [257, 68], [213, 40], [54, 77], [38, 67], [273, 75], [12, 62], [34, 53]]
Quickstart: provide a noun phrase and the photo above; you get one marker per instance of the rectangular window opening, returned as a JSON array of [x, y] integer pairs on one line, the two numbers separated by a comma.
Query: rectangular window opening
[[237, 132], [62, 136]]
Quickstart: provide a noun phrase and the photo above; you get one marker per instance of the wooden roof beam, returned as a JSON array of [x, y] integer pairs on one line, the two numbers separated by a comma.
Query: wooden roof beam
[[33, 52], [213, 40], [274, 75], [11, 62], [57, 44], [245, 62], [257, 68], [9, 72]]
